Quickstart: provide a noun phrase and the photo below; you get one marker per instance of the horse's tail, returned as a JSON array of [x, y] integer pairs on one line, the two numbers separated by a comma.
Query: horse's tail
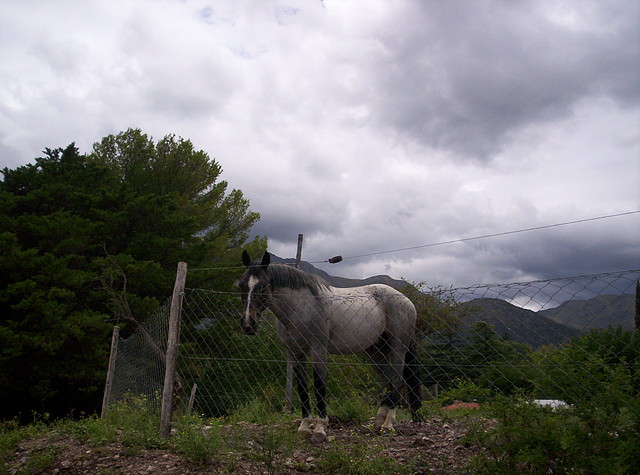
[[412, 378]]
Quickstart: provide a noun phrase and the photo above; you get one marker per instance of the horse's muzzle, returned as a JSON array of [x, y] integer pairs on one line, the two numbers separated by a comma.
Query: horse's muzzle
[[249, 322], [248, 329]]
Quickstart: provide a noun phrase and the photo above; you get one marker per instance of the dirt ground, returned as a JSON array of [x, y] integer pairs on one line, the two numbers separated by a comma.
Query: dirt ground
[[434, 446]]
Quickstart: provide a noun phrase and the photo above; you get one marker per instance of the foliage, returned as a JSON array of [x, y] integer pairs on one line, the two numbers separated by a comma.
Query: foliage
[[497, 364], [438, 311], [449, 351], [196, 441], [86, 237], [11, 434], [352, 406], [599, 432], [134, 423], [440, 318], [602, 361], [268, 445], [637, 312], [533, 439], [358, 459], [464, 390], [231, 368]]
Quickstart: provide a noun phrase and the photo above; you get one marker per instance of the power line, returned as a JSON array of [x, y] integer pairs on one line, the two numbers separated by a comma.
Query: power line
[[505, 233]]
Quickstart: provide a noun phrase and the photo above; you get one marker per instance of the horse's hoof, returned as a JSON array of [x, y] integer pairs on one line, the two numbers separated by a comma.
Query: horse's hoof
[[318, 437], [306, 428]]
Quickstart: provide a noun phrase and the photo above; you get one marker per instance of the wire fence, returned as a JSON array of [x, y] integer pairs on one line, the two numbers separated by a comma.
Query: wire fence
[[566, 339], [139, 366]]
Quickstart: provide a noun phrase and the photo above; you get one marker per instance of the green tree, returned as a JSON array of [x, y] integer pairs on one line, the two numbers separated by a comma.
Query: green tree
[[438, 311], [84, 237], [440, 318]]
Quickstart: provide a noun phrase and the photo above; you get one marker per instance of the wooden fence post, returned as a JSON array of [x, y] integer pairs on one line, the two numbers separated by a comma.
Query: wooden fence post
[[113, 354], [288, 389], [171, 358], [192, 397]]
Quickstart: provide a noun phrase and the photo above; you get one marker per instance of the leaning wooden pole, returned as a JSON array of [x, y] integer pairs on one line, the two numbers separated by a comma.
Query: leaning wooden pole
[[108, 385], [171, 358]]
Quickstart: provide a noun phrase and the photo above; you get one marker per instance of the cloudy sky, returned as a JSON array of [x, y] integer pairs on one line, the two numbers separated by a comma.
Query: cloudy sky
[[366, 125]]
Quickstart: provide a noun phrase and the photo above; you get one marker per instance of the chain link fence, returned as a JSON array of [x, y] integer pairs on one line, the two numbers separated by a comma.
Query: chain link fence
[[138, 371], [564, 339], [504, 337]]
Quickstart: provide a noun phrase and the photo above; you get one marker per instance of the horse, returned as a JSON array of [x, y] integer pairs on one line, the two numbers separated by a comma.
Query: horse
[[315, 319]]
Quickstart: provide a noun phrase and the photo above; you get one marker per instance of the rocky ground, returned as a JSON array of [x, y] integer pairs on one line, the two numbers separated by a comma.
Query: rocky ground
[[434, 446]]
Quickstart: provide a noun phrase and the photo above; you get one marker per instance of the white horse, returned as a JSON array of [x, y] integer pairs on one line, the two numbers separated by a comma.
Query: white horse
[[315, 319]]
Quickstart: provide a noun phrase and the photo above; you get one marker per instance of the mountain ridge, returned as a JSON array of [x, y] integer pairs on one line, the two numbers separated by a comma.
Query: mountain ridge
[[548, 326]]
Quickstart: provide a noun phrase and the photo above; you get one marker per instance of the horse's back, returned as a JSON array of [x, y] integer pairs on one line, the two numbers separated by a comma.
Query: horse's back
[[358, 316]]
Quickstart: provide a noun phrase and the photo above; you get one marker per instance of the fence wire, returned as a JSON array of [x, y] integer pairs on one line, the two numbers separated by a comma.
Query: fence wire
[[140, 362], [570, 339], [505, 338]]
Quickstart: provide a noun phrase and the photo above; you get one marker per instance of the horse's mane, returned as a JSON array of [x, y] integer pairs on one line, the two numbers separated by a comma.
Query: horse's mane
[[284, 276]]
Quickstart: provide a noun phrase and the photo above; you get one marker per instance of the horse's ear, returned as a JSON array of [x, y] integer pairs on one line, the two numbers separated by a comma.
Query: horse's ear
[[246, 260], [266, 258]]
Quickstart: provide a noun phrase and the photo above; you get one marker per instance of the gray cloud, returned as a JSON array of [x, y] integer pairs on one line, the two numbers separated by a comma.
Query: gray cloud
[[365, 125], [464, 79]]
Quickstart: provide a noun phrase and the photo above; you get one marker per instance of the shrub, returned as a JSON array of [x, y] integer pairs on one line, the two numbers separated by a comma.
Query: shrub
[[587, 438]]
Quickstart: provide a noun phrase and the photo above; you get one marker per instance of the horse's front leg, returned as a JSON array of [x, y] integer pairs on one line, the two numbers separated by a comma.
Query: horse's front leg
[[300, 375], [319, 359]]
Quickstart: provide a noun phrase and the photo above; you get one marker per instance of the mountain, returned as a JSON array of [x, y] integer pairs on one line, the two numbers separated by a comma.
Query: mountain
[[518, 324], [550, 326], [341, 281], [599, 312]]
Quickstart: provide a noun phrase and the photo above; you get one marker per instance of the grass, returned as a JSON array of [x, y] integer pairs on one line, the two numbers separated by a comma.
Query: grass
[[12, 434], [522, 438], [255, 433], [358, 458]]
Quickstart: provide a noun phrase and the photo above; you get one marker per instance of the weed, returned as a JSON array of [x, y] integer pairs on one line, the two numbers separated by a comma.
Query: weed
[[196, 440], [583, 439], [352, 408], [92, 429], [11, 434], [40, 460], [358, 459], [464, 390], [137, 423], [272, 446], [258, 411]]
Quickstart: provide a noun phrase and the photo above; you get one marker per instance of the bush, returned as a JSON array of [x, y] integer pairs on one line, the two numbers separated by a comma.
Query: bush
[[589, 368], [586, 438]]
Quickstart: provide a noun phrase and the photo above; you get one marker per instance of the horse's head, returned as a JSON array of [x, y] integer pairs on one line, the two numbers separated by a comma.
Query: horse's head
[[255, 289]]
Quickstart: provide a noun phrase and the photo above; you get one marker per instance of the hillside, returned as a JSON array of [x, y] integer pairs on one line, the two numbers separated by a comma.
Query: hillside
[[550, 326], [599, 312], [518, 324], [341, 281]]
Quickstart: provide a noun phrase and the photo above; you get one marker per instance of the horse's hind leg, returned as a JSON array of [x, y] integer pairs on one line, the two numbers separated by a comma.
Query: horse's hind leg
[[414, 384], [389, 361]]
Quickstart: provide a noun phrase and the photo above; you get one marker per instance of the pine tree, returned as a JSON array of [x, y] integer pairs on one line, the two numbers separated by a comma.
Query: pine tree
[[75, 230]]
